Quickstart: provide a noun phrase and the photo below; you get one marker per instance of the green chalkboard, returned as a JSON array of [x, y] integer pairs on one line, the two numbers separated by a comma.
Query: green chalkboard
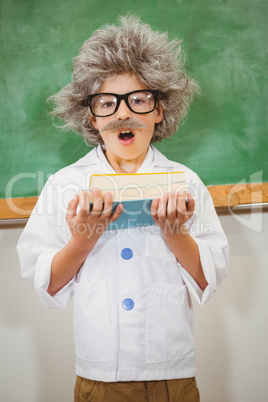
[[225, 137]]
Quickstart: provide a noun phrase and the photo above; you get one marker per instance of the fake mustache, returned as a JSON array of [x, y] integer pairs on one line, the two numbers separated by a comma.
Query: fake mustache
[[130, 123]]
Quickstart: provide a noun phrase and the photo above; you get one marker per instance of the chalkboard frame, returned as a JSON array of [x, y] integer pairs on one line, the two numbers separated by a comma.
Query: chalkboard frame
[[223, 196]]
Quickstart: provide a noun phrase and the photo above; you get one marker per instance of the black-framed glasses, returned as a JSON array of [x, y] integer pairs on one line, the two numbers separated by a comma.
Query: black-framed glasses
[[105, 104]]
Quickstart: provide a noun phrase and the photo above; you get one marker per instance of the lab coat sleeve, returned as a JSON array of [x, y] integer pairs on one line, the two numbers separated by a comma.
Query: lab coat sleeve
[[42, 238], [206, 229]]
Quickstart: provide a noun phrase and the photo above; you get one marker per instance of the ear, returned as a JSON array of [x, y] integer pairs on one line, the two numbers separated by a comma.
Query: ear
[[159, 113], [93, 121]]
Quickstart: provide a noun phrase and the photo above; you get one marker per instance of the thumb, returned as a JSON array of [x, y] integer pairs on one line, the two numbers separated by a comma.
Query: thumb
[[72, 208]]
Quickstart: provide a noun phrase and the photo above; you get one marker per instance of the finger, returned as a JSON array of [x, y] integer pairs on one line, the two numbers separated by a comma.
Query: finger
[[108, 205], [162, 207], [97, 202], [181, 202], [84, 199], [191, 203], [118, 211], [154, 207], [172, 205], [72, 208]]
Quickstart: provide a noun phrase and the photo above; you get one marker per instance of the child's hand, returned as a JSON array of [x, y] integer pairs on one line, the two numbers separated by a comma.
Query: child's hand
[[88, 224], [171, 211]]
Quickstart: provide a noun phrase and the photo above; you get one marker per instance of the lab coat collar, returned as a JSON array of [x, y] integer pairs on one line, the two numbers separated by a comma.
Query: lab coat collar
[[160, 160]]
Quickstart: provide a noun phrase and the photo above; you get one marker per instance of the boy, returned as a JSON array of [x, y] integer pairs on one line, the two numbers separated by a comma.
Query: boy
[[133, 315]]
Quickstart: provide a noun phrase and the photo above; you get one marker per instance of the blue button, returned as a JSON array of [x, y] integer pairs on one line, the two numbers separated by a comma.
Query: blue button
[[128, 304], [126, 253]]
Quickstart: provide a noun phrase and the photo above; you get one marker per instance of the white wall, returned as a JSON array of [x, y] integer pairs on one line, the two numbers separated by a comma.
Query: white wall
[[36, 345], [231, 331]]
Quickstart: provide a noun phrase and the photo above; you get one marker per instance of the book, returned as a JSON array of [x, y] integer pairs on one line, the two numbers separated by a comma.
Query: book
[[136, 192]]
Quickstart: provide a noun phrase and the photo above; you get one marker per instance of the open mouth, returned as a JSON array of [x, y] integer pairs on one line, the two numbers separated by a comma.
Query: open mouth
[[126, 135]]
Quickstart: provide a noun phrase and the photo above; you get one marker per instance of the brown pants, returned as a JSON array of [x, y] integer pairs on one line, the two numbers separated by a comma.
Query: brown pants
[[182, 390]]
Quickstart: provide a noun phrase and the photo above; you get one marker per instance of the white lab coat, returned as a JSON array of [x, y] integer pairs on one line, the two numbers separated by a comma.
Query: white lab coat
[[133, 316]]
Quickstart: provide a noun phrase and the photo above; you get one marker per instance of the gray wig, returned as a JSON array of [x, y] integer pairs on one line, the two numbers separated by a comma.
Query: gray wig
[[133, 48]]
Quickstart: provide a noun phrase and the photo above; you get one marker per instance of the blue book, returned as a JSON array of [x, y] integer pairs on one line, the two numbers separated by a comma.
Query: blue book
[[136, 192]]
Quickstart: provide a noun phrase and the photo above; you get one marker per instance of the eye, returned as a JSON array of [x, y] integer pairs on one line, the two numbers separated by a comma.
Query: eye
[[104, 102], [107, 104], [138, 100]]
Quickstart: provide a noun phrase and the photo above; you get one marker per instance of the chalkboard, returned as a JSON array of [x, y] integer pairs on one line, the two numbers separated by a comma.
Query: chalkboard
[[225, 137]]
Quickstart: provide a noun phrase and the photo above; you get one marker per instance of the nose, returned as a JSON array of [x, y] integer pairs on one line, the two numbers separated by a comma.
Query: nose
[[123, 112]]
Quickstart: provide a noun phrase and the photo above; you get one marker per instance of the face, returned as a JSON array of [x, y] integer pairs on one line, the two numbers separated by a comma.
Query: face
[[126, 151]]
